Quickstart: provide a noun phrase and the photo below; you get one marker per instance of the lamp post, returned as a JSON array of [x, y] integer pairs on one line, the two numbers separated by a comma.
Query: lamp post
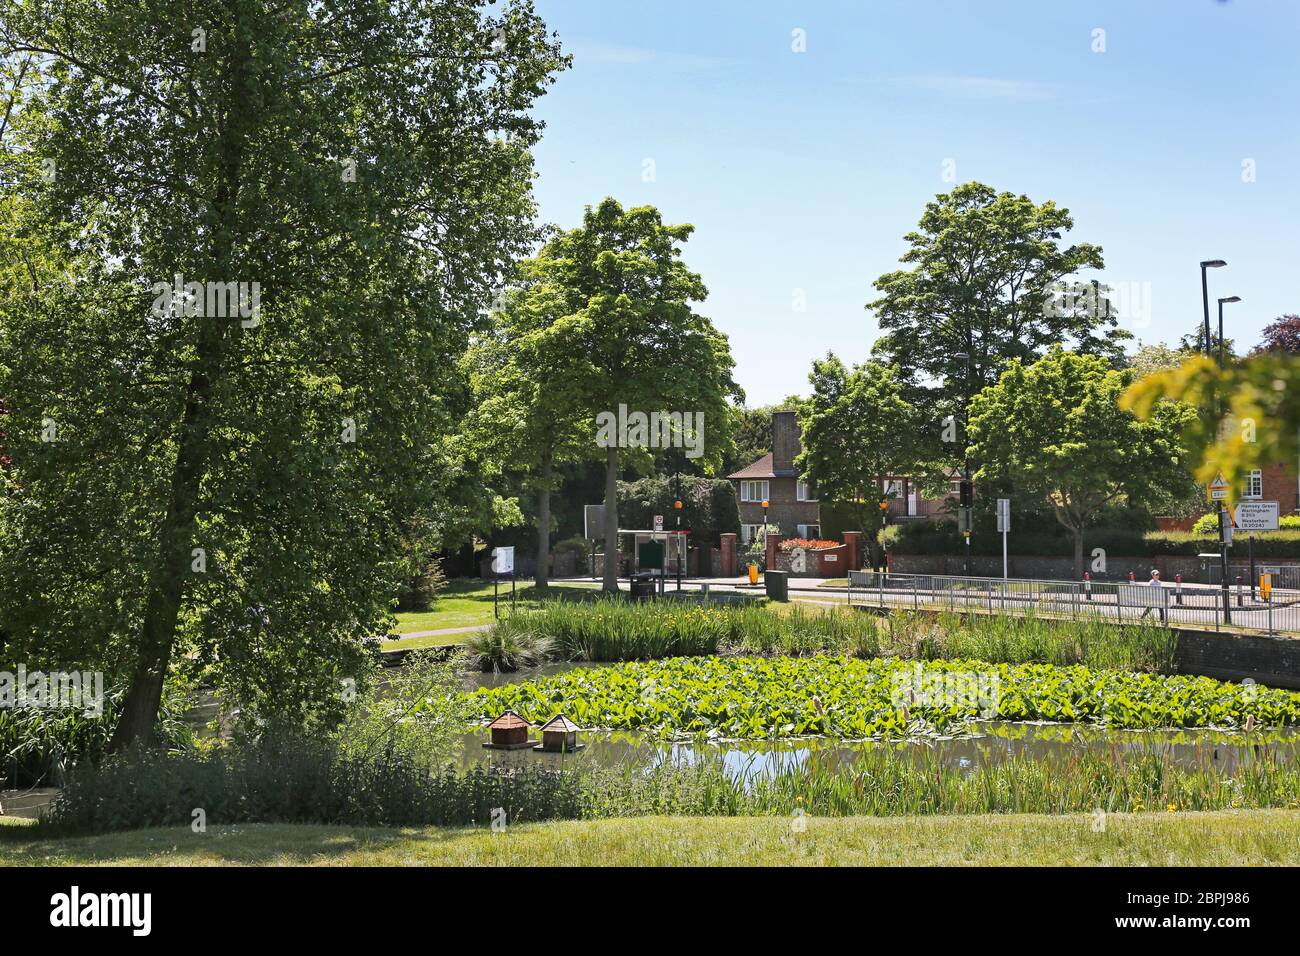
[[966, 500], [1250, 536], [1205, 296], [1223, 544], [681, 551]]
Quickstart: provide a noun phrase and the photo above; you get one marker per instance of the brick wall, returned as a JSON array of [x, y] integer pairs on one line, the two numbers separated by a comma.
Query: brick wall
[[784, 508]]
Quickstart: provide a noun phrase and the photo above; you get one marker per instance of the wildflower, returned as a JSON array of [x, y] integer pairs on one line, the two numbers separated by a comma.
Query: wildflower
[[1171, 809]]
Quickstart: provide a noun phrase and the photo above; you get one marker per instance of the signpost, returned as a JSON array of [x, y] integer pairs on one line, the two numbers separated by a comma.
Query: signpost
[[1252, 516], [1004, 527], [503, 565]]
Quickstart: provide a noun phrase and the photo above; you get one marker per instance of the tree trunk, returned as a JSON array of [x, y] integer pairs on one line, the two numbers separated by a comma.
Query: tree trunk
[[174, 560], [610, 581], [544, 522]]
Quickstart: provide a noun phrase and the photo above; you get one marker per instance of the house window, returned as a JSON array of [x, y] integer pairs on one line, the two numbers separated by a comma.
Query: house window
[[748, 532], [804, 491], [810, 531], [1254, 485], [753, 491]]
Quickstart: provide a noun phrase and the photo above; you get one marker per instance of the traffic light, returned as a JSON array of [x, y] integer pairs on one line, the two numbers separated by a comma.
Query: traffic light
[[967, 493]]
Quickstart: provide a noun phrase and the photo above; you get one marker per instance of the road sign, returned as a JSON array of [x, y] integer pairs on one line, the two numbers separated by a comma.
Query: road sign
[[659, 522], [1225, 526], [1218, 488], [1257, 516], [1004, 515], [503, 560]]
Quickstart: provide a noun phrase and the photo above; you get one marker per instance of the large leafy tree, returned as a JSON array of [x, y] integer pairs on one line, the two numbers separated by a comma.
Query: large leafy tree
[[229, 489], [858, 430], [989, 278], [1054, 429], [633, 334], [530, 409]]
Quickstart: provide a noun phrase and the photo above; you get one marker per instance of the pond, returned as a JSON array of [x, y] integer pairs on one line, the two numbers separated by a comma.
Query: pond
[[984, 744]]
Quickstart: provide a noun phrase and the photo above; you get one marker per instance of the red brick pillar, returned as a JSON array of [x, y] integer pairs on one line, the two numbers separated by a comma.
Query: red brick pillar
[[728, 569], [853, 544], [772, 541]]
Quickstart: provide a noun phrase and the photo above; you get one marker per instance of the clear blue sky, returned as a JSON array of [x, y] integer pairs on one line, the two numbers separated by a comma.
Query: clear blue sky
[[803, 171]]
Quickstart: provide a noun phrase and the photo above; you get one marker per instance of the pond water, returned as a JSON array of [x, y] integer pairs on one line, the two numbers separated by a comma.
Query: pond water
[[985, 743]]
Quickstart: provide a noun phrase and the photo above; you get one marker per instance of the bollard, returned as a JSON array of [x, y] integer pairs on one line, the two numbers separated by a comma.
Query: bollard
[[1239, 590], [1087, 586], [1178, 596], [1130, 578]]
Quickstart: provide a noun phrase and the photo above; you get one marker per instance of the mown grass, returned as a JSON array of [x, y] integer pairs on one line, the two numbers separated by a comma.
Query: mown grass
[[618, 630], [467, 602], [1233, 838]]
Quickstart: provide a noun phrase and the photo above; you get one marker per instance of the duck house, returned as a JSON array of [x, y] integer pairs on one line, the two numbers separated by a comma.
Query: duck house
[[559, 735], [509, 732]]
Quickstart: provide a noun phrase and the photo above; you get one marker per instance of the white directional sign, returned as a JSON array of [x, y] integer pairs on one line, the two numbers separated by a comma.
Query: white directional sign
[[1256, 516], [503, 560], [1004, 515]]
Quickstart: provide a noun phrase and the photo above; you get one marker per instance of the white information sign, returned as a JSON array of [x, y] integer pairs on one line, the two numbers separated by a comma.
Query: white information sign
[[1257, 516], [659, 522], [503, 560]]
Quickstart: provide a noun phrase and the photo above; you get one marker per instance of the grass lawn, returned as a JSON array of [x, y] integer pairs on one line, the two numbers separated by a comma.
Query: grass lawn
[[1231, 838], [468, 601]]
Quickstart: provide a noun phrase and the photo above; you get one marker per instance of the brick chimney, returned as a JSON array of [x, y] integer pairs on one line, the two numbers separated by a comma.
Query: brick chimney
[[785, 443]]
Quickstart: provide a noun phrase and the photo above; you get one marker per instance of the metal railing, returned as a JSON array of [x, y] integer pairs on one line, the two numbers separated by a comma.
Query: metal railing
[[1122, 602]]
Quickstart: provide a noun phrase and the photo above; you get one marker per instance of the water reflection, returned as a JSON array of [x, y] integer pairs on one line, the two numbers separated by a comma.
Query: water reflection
[[986, 745]]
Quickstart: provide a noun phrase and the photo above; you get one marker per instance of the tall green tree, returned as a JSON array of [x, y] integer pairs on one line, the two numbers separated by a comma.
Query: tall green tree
[[990, 281], [530, 407], [198, 475], [859, 430], [1055, 429], [634, 336]]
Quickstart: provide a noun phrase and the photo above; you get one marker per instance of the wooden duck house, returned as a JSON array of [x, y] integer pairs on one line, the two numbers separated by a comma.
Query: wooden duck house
[[559, 735], [509, 732]]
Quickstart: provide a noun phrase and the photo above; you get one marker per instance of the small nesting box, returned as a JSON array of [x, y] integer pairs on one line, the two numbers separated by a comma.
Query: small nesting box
[[559, 735], [509, 732]]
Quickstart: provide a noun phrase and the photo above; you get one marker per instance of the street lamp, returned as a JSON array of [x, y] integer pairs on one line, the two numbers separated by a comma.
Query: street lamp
[[967, 495], [1205, 296], [1223, 544], [1231, 298], [681, 551]]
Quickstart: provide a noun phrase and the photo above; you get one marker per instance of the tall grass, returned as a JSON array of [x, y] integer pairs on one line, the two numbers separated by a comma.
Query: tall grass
[[618, 630], [305, 782]]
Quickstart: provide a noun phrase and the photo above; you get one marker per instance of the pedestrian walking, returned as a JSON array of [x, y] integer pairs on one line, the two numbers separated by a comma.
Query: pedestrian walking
[[1158, 602]]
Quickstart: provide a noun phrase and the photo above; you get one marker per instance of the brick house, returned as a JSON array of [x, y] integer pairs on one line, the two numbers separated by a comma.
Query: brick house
[[1279, 483], [793, 505]]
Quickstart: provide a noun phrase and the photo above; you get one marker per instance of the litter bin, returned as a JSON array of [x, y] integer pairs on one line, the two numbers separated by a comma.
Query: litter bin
[[643, 585], [778, 585]]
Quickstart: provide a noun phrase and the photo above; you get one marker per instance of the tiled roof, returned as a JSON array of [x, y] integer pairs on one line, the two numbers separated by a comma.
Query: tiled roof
[[509, 721], [758, 469], [560, 722]]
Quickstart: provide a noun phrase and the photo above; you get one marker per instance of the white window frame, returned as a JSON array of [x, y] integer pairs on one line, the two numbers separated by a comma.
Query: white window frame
[[803, 531], [748, 532], [1254, 485], [803, 490], [747, 487]]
